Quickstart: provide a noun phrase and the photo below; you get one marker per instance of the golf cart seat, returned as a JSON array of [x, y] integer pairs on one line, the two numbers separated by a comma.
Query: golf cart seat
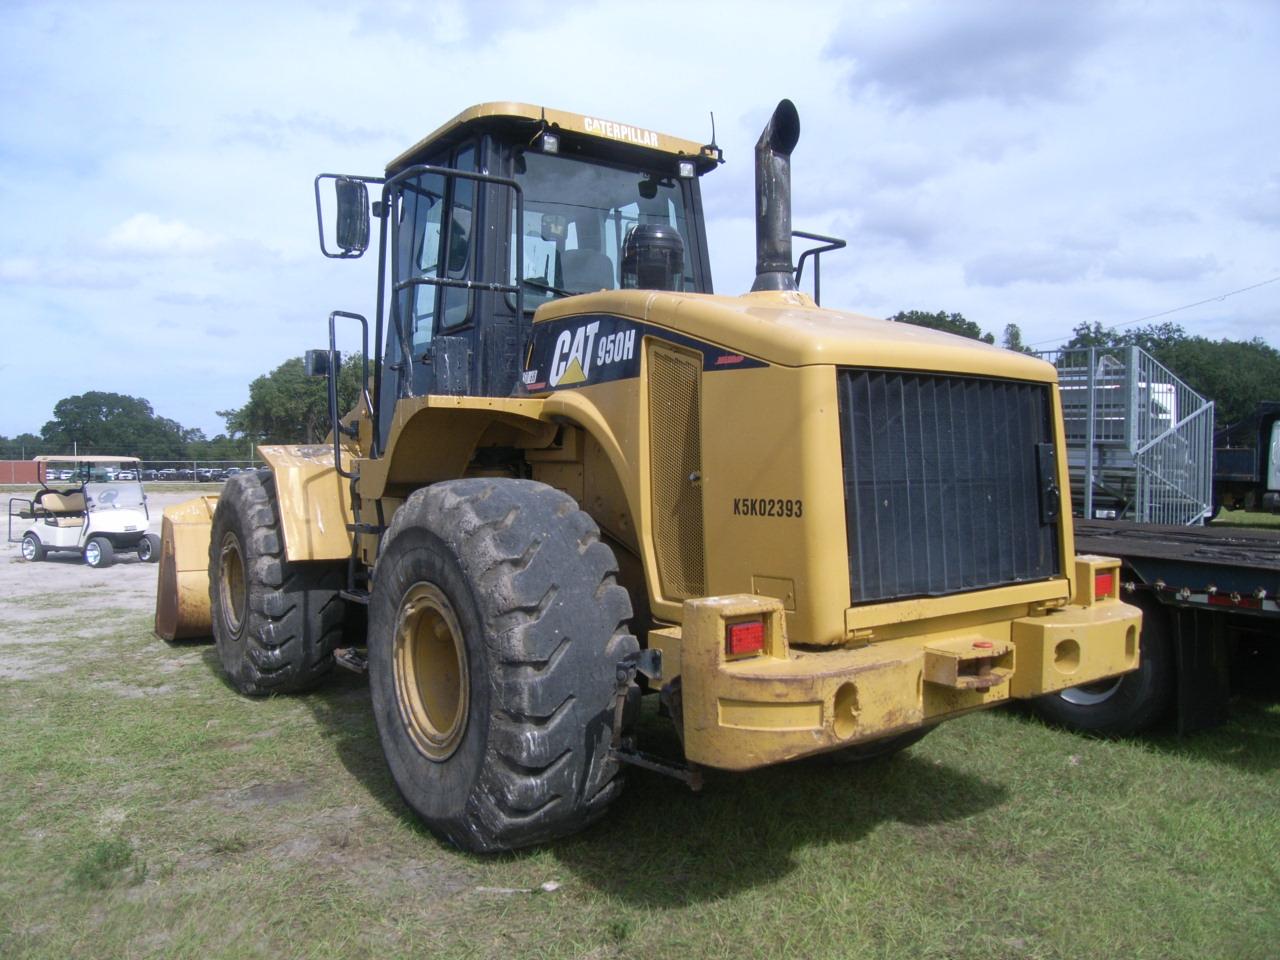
[[65, 509]]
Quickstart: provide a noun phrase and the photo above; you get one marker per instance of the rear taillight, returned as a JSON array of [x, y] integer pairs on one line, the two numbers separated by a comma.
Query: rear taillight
[[743, 638], [1104, 585]]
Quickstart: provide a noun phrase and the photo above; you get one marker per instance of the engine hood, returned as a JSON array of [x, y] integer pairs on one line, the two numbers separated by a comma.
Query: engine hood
[[788, 328]]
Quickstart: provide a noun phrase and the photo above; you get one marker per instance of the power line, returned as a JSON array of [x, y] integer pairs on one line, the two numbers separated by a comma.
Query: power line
[[1165, 313]]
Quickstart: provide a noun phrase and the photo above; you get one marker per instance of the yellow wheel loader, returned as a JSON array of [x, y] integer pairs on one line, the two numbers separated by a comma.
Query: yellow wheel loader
[[577, 476]]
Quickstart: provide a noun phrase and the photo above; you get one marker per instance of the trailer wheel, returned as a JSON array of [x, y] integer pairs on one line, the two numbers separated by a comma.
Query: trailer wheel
[[495, 629], [149, 548], [98, 553], [33, 550], [275, 622], [1130, 703]]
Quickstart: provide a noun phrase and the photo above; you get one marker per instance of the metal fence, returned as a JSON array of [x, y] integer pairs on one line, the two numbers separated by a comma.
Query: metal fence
[[1139, 440]]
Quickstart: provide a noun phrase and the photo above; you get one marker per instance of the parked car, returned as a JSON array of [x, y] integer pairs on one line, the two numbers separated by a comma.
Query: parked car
[[123, 475]]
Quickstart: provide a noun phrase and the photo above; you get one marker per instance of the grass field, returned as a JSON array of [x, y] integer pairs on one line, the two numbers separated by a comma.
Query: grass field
[[1246, 518], [151, 812]]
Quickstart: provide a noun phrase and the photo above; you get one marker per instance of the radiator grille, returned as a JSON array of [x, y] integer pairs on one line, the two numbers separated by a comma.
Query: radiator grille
[[675, 450], [941, 483]]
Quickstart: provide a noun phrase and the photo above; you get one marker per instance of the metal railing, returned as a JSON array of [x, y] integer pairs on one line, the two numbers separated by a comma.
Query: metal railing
[[1139, 440]]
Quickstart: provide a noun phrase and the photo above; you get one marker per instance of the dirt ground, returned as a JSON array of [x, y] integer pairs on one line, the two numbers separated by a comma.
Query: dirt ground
[[34, 592]]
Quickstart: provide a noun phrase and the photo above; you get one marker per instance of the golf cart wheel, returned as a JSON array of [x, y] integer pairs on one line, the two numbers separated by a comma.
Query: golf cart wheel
[[149, 548], [495, 630], [32, 549], [98, 553], [276, 622]]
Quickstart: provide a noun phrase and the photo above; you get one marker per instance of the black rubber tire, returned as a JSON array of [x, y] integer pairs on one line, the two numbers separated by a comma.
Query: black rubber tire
[[1138, 701], [106, 553], [543, 624], [33, 550], [879, 748], [290, 615], [149, 548]]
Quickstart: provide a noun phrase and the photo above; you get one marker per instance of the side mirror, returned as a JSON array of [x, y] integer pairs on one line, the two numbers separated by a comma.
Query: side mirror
[[316, 363], [353, 216]]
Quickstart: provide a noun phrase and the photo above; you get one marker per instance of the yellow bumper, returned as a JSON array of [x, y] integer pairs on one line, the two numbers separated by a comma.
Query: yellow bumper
[[787, 703]]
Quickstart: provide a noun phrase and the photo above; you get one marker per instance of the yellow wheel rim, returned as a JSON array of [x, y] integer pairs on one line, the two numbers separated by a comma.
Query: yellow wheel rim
[[430, 662], [231, 582]]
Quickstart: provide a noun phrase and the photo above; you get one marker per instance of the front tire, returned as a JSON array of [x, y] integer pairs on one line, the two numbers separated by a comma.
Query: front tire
[[495, 630], [276, 622], [98, 553], [1125, 705]]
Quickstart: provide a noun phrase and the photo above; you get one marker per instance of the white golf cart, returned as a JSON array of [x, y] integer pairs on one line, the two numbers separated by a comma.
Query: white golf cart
[[92, 512]]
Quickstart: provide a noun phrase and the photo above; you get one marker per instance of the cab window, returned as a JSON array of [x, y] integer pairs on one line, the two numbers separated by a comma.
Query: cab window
[[576, 218]]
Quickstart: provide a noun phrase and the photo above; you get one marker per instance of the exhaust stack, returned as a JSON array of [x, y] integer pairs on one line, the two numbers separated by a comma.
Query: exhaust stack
[[774, 270]]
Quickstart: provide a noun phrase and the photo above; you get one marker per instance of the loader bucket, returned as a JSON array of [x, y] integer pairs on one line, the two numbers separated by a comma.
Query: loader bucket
[[182, 597]]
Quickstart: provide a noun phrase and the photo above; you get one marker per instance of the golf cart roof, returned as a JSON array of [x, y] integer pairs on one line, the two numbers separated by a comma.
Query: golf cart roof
[[87, 459]]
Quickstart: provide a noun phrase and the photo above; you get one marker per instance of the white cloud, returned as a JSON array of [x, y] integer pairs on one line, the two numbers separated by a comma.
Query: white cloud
[[1009, 51], [146, 234]]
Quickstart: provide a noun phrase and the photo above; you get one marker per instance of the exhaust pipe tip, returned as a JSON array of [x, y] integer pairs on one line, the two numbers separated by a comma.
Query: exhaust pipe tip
[[784, 128], [774, 270]]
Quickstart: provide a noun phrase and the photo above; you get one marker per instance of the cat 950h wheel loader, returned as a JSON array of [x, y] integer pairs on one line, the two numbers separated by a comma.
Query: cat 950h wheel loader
[[576, 476]]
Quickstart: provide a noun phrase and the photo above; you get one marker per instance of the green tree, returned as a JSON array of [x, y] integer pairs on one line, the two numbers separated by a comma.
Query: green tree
[[287, 406], [946, 322], [22, 447], [1012, 339], [112, 424]]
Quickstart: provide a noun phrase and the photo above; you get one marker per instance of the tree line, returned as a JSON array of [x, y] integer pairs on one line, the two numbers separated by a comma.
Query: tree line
[[286, 406]]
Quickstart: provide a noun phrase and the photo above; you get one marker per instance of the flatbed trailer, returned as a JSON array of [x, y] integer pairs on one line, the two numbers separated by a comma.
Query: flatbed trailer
[[1211, 602]]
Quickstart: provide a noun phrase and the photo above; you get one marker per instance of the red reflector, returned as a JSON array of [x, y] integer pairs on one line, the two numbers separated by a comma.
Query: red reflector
[[1104, 584], [745, 637], [1234, 600]]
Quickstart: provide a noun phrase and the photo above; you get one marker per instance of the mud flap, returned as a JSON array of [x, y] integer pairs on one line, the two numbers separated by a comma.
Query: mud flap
[[1202, 660]]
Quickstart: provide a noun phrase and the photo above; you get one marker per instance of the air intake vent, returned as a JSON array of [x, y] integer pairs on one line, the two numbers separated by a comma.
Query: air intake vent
[[675, 451], [941, 483]]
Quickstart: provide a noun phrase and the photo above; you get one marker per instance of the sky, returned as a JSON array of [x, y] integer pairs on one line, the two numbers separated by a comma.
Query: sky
[[1041, 164]]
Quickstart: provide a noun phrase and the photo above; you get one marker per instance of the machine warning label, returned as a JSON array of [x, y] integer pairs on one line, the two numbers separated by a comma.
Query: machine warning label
[[766, 507]]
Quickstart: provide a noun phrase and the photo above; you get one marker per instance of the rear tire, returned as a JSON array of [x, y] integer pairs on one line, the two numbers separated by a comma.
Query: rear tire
[[149, 548], [495, 629], [1128, 704], [879, 748], [276, 622], [98, 553], [33, 550]]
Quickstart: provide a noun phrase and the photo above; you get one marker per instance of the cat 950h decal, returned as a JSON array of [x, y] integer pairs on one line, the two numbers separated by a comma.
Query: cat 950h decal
[[578, 351]]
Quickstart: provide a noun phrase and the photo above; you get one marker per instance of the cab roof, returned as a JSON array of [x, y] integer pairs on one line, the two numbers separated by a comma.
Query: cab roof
[[607, 132]]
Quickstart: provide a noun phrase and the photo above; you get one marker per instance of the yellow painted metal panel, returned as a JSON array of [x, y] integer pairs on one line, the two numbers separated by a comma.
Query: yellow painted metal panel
[[182, 593], [597, 127], [314, 500]]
